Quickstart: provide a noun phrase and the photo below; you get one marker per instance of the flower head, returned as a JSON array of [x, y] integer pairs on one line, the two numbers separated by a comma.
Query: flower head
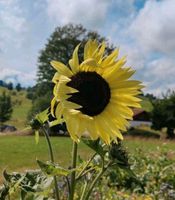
[[94, 97]]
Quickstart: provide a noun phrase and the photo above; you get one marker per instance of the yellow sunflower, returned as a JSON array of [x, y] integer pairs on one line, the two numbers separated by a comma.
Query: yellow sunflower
[[94, 97]]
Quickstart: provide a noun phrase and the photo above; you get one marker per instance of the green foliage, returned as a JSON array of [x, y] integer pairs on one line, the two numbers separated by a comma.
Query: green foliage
[[5, 107], [39, 105], [146, 104], [144, 132], [95, 145], [119, 155], [153, 177], [51, 169], [150, 97], [18, 87], [163, 114], [27, 186], [10, 86], [31, 93]]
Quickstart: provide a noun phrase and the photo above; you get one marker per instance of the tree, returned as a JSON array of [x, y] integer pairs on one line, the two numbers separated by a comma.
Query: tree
[[18, 87], [10, 86], [1, 83], [163, 114], [151, 97], [5, 107], [60, 47]]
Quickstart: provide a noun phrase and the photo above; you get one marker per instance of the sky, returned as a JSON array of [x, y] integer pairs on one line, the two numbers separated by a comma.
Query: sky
[[144, 31]]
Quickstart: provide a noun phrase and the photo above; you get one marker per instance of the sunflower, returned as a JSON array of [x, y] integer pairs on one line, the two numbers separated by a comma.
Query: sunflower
[[95, 97]]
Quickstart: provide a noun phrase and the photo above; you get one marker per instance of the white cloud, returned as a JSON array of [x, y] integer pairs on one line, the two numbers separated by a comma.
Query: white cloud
[[149, 42], [154, 28], [12, 24], [164, 68], [160, 73], [6, 2], [15, 76], [135, 57], [146, 36], [90, 13]]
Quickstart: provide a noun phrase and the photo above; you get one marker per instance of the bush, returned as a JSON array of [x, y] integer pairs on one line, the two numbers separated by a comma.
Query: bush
[[5, 107]]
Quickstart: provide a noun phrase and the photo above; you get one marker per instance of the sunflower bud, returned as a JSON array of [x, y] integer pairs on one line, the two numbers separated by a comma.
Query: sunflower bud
[[119, 155]]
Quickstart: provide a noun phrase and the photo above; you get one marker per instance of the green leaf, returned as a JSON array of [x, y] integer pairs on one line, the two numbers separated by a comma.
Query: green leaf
[[42, 117], [31, 185], [96, 146], [130, 172], [36, 136], [17, 185], [55, 122], [146, 104], [52, 169]]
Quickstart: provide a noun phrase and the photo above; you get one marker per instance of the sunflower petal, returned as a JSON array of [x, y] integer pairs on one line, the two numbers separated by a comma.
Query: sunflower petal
[[53, 104], [101, 132], [114, 69], [74, 62], [61, 68], [111, 58], [56, 77], [89, 62], [72, 127], [90, 48], [92, 131], [59, 111]]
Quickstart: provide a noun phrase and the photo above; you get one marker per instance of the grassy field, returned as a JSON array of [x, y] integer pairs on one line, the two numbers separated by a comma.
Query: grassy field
[[18, 153], [21, 107]]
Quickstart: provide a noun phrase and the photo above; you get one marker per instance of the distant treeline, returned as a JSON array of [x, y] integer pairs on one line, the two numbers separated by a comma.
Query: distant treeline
[[10, 85]]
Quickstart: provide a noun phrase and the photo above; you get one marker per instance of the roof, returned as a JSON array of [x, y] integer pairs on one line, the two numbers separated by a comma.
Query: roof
[[138, 111]]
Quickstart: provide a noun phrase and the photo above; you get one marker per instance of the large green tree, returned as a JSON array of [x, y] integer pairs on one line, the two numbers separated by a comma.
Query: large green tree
[[5, 107], [59, 47], [163, 114]]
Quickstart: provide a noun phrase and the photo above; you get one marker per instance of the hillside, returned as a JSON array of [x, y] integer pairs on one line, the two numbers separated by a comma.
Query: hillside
[[21, 107]]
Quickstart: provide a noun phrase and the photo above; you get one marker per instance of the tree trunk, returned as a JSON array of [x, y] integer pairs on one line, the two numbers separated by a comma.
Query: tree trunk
[[170, 133]]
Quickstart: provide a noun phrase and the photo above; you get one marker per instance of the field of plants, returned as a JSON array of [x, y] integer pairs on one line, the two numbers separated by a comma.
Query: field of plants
[[148, 173]]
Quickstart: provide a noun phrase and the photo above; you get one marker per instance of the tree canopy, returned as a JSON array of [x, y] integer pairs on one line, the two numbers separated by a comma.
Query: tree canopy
[[60, 47], [163, 114], [18, 87]]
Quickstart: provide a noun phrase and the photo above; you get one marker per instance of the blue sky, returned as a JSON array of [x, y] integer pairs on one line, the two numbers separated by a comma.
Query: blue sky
[[143, 29]]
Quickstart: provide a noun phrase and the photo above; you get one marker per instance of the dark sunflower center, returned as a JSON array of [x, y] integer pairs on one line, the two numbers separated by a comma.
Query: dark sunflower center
[[94, 92]]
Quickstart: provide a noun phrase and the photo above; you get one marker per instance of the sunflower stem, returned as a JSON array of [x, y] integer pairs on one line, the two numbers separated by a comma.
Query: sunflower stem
[[73, 166], [45, 130], [85, 167], [84, 190], [95, 181]]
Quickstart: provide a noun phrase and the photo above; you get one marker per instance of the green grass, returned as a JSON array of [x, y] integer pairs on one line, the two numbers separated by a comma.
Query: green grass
[[148, 145], [20, 152], [21, 107]]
